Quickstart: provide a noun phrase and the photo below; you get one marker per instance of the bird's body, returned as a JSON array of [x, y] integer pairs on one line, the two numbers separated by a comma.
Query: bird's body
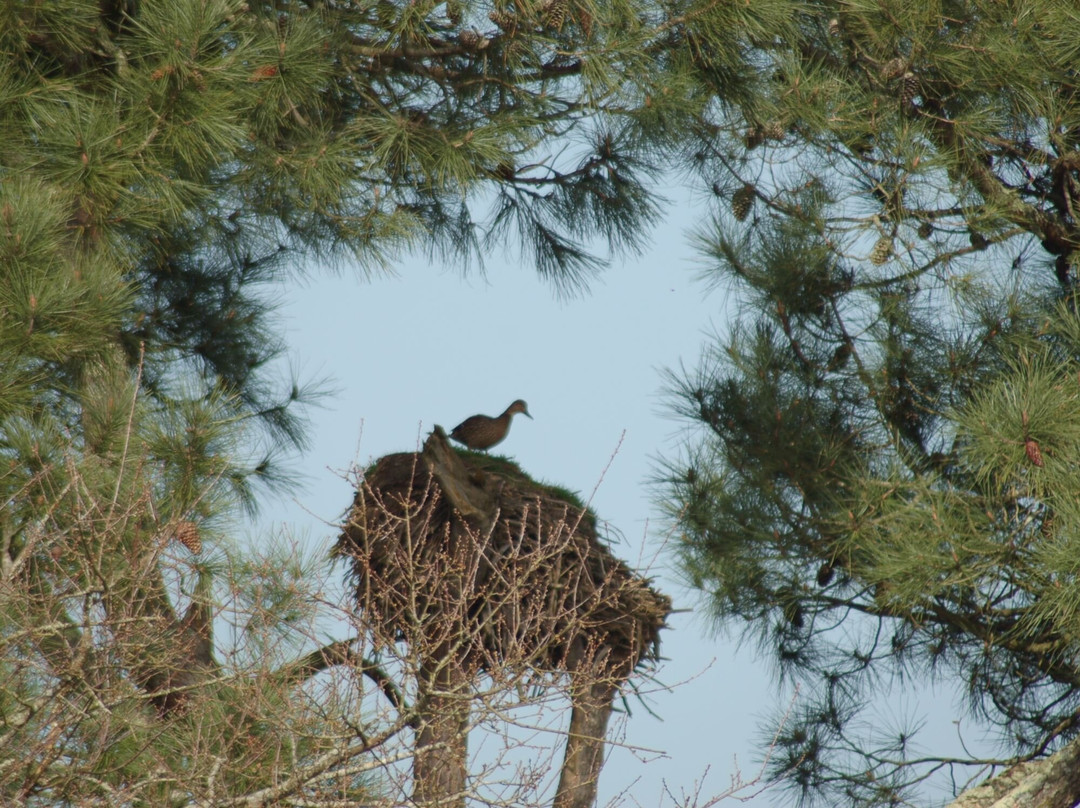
[[483, 431]]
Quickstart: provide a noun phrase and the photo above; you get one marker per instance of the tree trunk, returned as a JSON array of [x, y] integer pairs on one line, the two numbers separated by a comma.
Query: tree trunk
[[439, 765], [585, 742], [1052, 782], [441, 753]]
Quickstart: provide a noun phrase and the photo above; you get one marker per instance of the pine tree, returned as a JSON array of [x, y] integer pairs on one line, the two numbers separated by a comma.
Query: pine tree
[[883, 485], [160, 165]]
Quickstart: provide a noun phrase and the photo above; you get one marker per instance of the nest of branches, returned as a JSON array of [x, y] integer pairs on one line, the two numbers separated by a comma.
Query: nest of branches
[[462, 555]]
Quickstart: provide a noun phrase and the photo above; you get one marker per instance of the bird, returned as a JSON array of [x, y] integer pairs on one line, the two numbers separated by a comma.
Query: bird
[[483, 431]]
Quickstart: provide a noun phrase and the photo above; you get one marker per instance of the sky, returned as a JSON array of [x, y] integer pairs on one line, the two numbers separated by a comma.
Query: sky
[[433, 345]]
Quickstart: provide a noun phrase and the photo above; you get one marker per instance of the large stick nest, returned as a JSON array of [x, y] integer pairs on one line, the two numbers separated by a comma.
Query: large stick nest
[[463, 555]]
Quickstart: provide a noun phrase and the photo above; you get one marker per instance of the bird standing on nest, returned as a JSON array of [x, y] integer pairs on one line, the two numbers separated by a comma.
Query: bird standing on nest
[[483, 431]]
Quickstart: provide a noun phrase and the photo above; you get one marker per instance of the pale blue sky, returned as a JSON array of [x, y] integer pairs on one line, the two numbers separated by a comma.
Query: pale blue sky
[[433, 346]]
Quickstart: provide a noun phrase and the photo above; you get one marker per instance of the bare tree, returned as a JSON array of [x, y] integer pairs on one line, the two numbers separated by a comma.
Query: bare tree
[[487, 576], [139, 667]]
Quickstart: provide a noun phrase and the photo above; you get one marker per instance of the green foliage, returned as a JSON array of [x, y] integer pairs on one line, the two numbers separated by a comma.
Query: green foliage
[[881, 485], [162, 165], [505, 467]]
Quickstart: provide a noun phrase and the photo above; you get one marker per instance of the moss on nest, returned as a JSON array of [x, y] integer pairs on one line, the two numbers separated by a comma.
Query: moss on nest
[[505, 467]]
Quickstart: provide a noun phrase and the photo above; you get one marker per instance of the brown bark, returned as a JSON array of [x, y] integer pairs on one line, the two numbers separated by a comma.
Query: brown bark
[[1051, 782], [170, 657], [467, 498], [439, 766], [441, 756], [585, 744]]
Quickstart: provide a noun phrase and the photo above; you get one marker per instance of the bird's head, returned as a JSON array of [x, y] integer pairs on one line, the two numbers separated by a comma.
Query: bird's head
[[519, 406]]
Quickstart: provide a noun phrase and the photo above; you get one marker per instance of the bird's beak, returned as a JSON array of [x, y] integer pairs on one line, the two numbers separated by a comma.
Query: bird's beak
[[526, 412]]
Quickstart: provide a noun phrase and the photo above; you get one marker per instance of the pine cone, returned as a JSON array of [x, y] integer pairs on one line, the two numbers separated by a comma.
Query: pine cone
[[793, 612], [909, 88], [1034, 454], [840, 356], [978, 240], [894, 68], [187, 533], [834, 27], [1061, 270], [554, 13], [773, 130], [925, 230], [504, 19], [882, 251], [473, 40], [742, 201], [584, 19], [754, 137], [881, 593], [825, 574]]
